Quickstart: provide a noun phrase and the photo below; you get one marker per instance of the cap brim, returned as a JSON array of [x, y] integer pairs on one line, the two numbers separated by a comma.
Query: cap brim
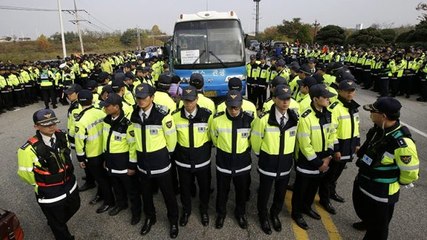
[[48, 122], [189, 98], [69, 91], [369, 107], [329, 95]]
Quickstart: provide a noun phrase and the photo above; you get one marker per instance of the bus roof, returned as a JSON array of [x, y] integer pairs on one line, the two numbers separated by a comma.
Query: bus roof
[[207, 15]]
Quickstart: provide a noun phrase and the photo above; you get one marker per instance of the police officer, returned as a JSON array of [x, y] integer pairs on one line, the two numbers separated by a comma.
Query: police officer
[[387, 159], [346, 114], [247, 106], [316, 139], [118, 135], [251, 79], [230, 133], [197, 81], [88, 142], [278, 80], [273, 140], [193, 153], [47, 86], [44, 162], [119, 87], [155, 139], [162, 97]]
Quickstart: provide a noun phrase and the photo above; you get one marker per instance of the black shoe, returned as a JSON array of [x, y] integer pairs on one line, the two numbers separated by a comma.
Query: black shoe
[[86, 186], [96, 200], [173, 233], [219, 222], [116, 209], [183, 220], [265, 226], [361, 226], [421, 99], [328, 207], [205, 219], [407, 96], [147, 225], [54, 106], [311, 213], [135, 219], [299, 220], [103, 208], [242, 221], [277, 225], [337, 198]]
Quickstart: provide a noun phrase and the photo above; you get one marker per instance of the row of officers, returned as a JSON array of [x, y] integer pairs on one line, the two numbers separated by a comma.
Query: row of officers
[[388, 71], [127, 153], [27, 83]]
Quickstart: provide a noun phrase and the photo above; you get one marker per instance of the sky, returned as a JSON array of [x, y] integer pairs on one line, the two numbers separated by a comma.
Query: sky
[[110, 15]]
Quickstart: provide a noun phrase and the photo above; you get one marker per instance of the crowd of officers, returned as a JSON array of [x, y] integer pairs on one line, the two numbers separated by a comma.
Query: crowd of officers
[[132, 138]]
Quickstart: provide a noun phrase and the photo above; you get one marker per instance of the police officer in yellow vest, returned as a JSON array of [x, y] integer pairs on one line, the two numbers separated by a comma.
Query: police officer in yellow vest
[[197, 81], [273, 140], [118, 136], [193, 152], [155, 140], [230, 133], [44, 162], [88, 142], [346, 114], [47, 86], [386, 160], [316, 139]]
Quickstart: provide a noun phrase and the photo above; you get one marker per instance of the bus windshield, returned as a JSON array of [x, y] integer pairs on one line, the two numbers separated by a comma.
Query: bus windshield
[[208, 43]]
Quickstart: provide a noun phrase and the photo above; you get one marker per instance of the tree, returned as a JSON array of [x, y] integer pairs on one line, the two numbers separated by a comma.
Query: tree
[[43, 43], [388, 35], [69, 37], [296, 30], [129, 36], [366, 38], [155, 30], [331, 34], [270, 33]]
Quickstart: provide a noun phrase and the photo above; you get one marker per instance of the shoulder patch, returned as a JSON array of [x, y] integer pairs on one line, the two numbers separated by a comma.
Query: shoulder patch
[[33, 140], [401, 142], [132, 133], [305, 113], [333, 105], [176, 111], [26, 144], [219, 114], [76, 129], [79, 116], [206, 110], [250, 114], [406, 159], [169, 124], [262, 114], [162, 109]]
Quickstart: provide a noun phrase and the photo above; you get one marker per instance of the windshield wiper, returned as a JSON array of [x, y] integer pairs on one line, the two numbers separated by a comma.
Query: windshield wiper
[[195, 61], [219, 60]]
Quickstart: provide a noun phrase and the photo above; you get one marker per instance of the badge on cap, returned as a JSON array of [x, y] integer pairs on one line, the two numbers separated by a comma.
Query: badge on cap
[[406, 159], [48, 115], [140, 88], [188, 90], [285, 89], [233, 96]]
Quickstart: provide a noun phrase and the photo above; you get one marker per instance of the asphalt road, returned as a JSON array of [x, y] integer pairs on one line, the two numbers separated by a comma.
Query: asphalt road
[[409, 221]]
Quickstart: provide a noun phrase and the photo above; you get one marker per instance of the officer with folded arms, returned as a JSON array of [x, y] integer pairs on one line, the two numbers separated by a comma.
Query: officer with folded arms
[[44, 162]]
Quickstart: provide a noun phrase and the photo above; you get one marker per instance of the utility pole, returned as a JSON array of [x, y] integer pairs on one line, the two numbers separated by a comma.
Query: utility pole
[[138, 34], [316, 25], [64, 50], [78, 28], [257, 17]]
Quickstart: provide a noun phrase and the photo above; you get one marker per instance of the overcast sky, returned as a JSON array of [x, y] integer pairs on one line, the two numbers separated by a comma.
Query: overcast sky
[[108, 15]]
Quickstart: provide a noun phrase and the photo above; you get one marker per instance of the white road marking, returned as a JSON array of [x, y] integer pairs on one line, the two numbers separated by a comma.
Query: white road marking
[[415, 130]]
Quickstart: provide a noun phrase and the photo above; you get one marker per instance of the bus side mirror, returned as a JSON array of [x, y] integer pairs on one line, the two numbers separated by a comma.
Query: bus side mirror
[[247, 43]]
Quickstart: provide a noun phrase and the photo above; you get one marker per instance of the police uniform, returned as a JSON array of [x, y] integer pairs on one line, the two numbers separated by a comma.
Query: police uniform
[[192, 154], [47, 87], [316, 139], [45, 163], [88, 143], [118, 136], [386, 160], [155, 139], [273, 140], [346, 115], [233, 161]]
